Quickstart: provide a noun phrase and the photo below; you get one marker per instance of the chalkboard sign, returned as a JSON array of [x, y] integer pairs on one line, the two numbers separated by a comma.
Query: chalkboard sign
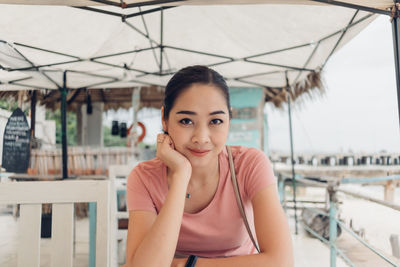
[[16, 143]]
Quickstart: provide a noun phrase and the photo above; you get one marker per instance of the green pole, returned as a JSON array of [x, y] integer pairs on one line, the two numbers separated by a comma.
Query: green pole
[[92, 233], [396, 48], [281, 188], [64, 128], [332, 224], [292, 152]]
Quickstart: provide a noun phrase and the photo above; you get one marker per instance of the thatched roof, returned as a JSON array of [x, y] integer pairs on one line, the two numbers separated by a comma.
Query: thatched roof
[[153, 96], [310, 88], [112, 98]]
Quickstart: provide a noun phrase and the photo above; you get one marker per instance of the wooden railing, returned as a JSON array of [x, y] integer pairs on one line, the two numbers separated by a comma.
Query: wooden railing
[[81, 160]]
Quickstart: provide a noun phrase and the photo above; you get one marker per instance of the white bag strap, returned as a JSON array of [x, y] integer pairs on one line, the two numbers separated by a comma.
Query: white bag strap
[[239, 198]]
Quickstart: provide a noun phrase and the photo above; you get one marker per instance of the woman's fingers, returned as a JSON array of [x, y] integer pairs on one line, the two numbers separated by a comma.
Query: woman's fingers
[[166, 152], [163, 145], [160, 138], [164, 138]]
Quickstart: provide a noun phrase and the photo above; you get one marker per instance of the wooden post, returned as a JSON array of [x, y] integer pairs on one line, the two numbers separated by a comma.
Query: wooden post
[[394, 241], [79, 125], [20, 99], [389, 191]]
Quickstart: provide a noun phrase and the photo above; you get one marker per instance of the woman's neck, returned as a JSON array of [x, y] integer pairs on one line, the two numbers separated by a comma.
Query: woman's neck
[[202, 175]]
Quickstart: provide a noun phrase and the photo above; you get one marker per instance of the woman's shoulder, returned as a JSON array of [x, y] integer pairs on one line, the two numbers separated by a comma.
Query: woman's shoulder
[[148, 168], [253, 168], [248, 158], [241, 153]]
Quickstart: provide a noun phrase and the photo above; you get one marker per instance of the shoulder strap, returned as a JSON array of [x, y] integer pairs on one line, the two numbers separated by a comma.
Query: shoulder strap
[[239, 198]]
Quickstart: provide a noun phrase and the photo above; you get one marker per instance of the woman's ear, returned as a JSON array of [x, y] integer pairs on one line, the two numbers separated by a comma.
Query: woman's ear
[[164, 123]]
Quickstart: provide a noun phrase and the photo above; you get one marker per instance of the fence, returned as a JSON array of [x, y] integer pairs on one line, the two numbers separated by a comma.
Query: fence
[[350, 159], [333, 187], [81, 160]]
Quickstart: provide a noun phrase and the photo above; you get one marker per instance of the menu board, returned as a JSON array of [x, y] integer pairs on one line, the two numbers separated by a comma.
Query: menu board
[[16, 143]]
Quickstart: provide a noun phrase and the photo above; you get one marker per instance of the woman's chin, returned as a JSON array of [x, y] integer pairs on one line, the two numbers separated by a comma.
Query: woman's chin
[[200, 162]]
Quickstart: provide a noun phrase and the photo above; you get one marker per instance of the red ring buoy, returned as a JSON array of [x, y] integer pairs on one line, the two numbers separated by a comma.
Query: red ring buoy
[[141, 137]]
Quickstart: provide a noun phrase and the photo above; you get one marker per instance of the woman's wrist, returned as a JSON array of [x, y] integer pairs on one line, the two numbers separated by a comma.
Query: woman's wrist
[[180, 178], [178, 262]]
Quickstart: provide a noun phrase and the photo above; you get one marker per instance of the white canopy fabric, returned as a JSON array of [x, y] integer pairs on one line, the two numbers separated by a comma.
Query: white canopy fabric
[[379, 4], [251, 45]]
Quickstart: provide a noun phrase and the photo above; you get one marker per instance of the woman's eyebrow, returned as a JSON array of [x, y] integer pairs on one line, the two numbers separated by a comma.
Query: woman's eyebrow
[[188, 112], [217, 112]]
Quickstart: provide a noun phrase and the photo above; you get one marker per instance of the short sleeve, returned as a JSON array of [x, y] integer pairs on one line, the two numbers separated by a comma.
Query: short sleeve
[[138, 196], [257, 172]]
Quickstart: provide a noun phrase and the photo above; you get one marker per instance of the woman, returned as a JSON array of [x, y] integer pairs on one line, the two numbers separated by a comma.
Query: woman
[[183, 203]]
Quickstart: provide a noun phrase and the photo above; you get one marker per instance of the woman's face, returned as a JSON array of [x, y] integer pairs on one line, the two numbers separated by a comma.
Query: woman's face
[[198, 124]]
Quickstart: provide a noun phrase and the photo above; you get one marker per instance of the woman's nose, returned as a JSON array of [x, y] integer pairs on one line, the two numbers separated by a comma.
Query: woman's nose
[[201, 135]]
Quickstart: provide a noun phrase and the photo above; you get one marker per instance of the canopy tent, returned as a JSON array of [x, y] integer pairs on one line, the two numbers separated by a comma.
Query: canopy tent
[[382, 5], [135, 43], [109, 47]]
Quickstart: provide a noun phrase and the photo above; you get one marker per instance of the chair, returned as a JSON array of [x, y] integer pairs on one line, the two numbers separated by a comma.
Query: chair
[[63, 195], [118, 175]]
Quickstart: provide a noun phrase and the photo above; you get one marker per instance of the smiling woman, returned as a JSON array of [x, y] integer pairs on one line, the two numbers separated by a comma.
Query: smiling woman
[[182, 204], [198, 124]]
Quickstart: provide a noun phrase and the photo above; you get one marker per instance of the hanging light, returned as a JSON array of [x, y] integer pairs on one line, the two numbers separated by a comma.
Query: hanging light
[[115, 128], [123, 130]]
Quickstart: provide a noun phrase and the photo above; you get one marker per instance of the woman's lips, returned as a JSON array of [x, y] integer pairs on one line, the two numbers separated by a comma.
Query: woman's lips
[[198, 152]]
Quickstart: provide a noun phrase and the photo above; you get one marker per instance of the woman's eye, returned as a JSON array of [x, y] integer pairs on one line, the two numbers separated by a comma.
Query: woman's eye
[[185, 121], [216, 121]]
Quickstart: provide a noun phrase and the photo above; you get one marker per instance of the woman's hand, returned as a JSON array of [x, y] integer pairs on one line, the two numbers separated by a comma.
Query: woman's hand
[[175, 161]]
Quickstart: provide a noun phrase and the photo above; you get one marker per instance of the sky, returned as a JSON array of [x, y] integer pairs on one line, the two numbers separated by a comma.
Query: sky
[[358, 113]]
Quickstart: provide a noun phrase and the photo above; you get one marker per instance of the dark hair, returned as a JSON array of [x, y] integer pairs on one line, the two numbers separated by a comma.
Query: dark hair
[[188, 76]]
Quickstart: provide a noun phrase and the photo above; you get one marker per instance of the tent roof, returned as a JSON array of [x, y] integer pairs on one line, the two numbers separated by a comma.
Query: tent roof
[[110, 47], [378, 4]]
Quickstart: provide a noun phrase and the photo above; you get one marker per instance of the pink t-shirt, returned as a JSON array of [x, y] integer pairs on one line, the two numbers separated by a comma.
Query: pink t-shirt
[[217, 230]]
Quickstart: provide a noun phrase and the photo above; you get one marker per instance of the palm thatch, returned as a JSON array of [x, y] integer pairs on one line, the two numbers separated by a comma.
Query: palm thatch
[[309, 88], [153, 96], [112, 98]]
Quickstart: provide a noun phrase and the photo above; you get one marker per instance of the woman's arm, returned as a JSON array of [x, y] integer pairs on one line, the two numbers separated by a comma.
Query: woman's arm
[[272, 234], [152, 238]]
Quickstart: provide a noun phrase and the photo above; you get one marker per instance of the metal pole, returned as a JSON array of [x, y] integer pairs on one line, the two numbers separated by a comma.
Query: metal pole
[[396, 47], [281, 188], [33, 122], [291, 151], [332, 224], [64, 127], [161, 40], [33, 113]]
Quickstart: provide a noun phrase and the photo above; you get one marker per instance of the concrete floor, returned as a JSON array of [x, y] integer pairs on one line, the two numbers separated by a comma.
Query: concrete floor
[[308, 251]]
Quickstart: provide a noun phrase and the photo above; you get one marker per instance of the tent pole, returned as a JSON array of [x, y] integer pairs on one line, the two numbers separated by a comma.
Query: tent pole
[[396, 47], [33, 122], [291, 151], [64, 127], [161, 40], [33, 113]]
